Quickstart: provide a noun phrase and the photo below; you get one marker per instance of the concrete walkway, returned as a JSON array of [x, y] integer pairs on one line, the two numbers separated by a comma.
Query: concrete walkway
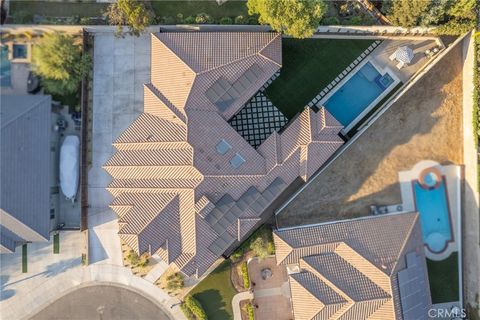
[[237, 313], [157, 271]]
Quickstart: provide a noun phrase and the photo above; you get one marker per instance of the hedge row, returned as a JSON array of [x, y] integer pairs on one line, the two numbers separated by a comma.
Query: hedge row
[[246, 278], [194, 308], [251, 315], [204, 18]]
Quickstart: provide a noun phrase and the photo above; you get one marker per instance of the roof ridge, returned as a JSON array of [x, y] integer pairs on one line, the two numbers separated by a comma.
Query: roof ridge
[[407, 238]]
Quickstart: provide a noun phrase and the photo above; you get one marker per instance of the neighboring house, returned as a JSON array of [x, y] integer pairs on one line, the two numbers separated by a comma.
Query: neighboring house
[[25, 169], [186, 185], [365, 268]]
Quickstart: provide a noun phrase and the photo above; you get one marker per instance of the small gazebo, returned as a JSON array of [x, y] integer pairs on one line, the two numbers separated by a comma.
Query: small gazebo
[[404, 55]]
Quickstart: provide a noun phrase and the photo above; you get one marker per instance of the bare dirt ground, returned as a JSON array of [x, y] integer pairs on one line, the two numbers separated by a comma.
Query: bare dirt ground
[[425, 123]]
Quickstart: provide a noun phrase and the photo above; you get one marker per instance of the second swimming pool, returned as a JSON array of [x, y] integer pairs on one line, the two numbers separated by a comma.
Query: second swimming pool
[[357, 94], [432, 204]]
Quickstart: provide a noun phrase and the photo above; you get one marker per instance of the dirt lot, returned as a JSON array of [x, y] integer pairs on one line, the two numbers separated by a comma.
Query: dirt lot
[[425, 123]]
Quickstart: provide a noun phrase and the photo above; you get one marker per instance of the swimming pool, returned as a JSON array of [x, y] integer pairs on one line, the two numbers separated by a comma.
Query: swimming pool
[[5, 67], [432, 204], [356, 95]]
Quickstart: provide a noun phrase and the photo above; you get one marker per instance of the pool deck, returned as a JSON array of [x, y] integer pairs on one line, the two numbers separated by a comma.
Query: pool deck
[[18, 77], [452, 174], [425, 123], [382, 53]]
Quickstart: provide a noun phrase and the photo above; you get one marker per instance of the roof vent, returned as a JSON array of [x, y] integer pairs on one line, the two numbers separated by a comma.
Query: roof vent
[[237, 161], [223, 147]]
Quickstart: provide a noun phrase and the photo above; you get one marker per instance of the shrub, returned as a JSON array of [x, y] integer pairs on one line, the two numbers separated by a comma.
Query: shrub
[[240, 20], [131, 13], [22, 17], [195, 307], [180, 18], [190, 20], [271, 247], [133, 258], [246, 278], [175, 281], [251, 314], [203, 18], [188, 314], [237, 255], [259, 247], [331, 21], [226, 20], [252, 21], [85, 21], [168, 20]]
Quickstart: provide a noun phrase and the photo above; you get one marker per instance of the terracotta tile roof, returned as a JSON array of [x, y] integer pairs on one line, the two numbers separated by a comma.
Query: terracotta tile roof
[[175, 193], [348, 269]]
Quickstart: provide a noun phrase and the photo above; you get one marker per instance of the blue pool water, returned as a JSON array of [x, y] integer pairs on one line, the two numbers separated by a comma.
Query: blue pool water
[[5, 67], [357, 94], [432, 205]]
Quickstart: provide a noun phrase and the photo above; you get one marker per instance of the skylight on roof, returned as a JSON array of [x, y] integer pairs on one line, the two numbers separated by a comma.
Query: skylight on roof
[[237, 161], [223, 147]]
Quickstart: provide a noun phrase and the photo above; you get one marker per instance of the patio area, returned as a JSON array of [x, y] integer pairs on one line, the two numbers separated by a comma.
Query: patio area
[[381, 56], [271, 289]]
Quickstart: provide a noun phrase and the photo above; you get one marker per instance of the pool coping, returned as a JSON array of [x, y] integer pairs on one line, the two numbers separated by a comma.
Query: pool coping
[[375, 102]]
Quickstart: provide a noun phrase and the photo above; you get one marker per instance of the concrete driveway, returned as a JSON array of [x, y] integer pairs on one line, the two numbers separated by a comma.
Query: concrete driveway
[[121, 67]]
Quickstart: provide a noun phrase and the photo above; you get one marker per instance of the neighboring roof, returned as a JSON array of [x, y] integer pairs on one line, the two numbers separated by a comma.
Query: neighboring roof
[[25, 167], [353, 269], [181, 167]]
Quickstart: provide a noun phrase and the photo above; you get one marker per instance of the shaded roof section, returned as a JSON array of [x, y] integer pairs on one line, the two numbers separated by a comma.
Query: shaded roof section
[[186, 185], [353, 269], [25, 165]]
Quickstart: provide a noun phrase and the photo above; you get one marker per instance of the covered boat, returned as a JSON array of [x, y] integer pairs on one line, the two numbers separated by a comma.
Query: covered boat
[[69, 166]]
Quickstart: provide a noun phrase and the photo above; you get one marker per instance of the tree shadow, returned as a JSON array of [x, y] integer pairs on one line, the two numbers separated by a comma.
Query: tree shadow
[[5, 294], [213, 304]]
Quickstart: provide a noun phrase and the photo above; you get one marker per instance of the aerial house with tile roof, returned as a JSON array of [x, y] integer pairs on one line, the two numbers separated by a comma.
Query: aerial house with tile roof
[[186, 185], [364, 268]]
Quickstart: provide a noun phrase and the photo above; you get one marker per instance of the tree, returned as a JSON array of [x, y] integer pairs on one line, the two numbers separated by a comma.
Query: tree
[[297, 18], [60, 63], [259, 247], [464, 9], [408, 13], [130, 13]]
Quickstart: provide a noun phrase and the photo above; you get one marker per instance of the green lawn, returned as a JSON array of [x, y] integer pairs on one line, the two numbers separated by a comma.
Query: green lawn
[[215, 293], [24, 258], [58, 9], [443, 278], [193, 7], [309, 65], [56, 243]]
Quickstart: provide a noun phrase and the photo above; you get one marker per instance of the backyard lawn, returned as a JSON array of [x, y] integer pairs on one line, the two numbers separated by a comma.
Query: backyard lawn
[[443, 278], [215, 293], [58, 9], [309, 65], [192, 8]]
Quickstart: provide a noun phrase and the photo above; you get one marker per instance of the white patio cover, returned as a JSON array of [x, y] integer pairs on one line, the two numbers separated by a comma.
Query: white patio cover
[[404, 54], [69, 166]]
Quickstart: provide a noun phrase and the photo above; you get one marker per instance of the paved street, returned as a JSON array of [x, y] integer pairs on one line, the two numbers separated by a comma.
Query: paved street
[[103, 303]]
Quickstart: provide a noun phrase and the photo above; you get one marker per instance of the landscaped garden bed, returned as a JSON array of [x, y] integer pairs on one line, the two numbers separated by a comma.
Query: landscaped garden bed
[[308, 66], [140, 265]]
